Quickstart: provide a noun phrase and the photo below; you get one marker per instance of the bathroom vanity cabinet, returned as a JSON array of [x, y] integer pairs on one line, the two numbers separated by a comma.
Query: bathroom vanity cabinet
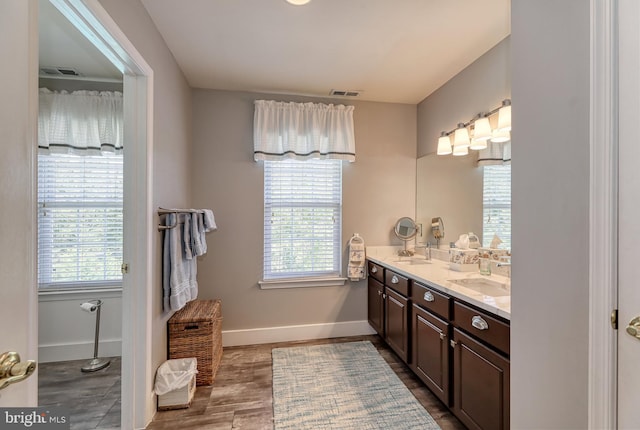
[[375, 303], [459, 351], [481, 369], [396, 313]]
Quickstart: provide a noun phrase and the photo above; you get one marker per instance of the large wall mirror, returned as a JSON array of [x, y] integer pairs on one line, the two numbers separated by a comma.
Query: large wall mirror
[[452, 188]]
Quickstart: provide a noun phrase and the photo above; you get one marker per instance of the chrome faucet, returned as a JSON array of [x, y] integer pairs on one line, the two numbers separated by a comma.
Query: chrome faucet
[[427, 250]]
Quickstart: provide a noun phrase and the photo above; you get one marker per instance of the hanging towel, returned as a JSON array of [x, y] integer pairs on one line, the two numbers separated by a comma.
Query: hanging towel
[[179, 284], [209, 220], [356, 268], [198, 238]]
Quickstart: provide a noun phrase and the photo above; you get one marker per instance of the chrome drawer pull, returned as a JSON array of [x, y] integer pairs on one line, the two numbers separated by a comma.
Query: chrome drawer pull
[[395, 279], [479, 323], [429, 297], [374, 269]]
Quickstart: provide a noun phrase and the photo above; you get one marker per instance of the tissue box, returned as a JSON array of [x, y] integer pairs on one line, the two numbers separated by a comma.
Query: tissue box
[[493, 253], [463, 260]]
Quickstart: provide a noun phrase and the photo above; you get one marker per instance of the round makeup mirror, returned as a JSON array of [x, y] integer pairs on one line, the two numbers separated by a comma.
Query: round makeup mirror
[[406, 228]]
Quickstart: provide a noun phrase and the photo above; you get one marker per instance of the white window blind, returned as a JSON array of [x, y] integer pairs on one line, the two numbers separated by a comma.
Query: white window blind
[[496, 203], [302, 218], [80, 202]]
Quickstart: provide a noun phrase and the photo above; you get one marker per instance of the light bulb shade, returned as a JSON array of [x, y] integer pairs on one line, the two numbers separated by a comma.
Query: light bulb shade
[[504, 117], [444, 145], [461, 137], [460, 150], [500, 136], [477, 145], [481, 133]]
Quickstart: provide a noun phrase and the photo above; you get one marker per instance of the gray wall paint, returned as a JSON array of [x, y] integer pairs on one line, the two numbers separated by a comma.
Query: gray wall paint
[[171, 139], [479, 88], [549, 334], [378, 189]]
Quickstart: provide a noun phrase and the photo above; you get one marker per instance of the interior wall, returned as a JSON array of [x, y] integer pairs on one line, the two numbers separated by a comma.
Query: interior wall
[[18, 109], [171, 140], [550, 207], [378, 189], [478, 88], [66, 332]]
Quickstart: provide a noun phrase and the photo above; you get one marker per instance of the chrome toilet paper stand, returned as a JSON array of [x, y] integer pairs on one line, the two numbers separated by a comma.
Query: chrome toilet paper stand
[[96, 363]]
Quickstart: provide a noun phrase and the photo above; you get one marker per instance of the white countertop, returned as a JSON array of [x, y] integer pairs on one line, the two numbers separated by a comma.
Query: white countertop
[[437, 275]]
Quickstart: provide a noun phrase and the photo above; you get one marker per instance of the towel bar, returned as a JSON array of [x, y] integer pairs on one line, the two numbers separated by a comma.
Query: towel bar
[[163, 211]]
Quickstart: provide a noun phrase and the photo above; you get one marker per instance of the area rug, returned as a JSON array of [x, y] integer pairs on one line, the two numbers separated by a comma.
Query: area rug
[[342, 386]]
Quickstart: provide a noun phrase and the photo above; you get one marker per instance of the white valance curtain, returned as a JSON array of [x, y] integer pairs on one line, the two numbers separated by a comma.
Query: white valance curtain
[[302, 130], [81, 122], [495, 153]]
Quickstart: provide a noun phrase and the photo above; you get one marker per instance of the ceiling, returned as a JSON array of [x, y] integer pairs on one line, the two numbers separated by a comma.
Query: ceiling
[[62, 45], [391, 51]]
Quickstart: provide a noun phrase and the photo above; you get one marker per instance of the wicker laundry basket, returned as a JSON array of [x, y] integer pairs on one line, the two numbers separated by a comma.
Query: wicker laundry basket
[[196, 331]]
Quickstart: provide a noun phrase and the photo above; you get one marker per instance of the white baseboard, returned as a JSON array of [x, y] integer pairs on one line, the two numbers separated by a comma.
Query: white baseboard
[[296, 332], [78, 351]]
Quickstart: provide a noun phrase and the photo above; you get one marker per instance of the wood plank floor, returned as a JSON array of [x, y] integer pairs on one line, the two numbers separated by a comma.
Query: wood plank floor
[[241, 396]]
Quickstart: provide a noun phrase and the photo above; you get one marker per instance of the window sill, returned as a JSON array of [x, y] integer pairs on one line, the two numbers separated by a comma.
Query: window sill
[[301, 283], [51, 295]]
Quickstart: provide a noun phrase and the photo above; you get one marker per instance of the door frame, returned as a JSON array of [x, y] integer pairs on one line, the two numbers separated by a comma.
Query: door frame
[[603, 214], [96, 24]]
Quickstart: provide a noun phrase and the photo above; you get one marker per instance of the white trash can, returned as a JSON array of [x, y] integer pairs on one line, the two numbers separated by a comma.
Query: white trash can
[[176, 383]]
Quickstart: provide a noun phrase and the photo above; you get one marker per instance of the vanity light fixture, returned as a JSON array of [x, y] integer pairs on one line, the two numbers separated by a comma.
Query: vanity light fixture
[[298, 2], [461, 136], [481, 132], [504, 116], [460, 150], [444, 144], [500, 136]]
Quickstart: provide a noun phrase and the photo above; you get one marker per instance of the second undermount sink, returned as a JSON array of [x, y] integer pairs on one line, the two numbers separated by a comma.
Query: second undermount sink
[[484, 286]]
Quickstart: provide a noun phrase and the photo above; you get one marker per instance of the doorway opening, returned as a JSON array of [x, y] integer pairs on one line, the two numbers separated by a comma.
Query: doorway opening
[[125, 327]]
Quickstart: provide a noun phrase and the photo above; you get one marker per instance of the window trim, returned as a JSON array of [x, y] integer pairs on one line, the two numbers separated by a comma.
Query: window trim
[[293, 279]]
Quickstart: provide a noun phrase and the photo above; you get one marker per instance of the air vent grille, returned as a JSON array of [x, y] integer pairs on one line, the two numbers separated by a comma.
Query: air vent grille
[[59, 71], [345, 93]]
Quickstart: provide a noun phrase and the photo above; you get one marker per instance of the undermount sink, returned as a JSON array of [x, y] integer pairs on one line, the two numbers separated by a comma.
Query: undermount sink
[[484, 286], [413, 260]]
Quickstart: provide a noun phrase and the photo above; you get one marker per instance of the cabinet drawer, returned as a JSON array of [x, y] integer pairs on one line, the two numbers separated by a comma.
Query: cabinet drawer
[[431, 300], [397, 282], [376, 271], [482, 325]]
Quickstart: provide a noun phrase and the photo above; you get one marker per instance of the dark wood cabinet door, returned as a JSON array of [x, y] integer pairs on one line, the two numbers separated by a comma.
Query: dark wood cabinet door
[[375, 305], [430, 351], [481, 384], [396, 323]]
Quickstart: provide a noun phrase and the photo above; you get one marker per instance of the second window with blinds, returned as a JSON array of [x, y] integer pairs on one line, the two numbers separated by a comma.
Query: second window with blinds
[[302, 223]]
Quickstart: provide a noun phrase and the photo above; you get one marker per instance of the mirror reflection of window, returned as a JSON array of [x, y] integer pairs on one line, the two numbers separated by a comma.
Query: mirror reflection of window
[[496, 204]]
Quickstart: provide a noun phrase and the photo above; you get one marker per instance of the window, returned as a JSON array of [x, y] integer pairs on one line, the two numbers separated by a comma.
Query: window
[[496, 204], [79, 220], [302, 219]]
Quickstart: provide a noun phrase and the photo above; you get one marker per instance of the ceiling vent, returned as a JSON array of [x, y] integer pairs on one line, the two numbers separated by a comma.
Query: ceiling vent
[[59, 71], [345, 93]]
